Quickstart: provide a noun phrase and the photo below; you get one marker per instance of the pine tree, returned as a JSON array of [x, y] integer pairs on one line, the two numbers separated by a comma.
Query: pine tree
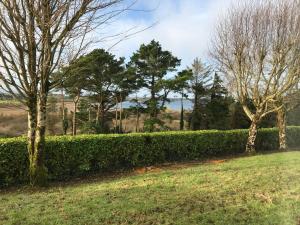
[[199, 85], [218, 107], [151, 64], [181, 86]]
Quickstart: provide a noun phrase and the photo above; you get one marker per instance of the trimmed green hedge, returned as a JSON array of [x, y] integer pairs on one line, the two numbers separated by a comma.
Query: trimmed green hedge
[[68, 157]]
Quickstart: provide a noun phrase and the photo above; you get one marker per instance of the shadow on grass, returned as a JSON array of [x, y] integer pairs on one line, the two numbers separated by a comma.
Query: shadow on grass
[[161, 203], [105, 177]]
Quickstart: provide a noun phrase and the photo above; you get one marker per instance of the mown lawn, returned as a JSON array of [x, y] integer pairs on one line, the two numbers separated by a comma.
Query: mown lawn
[[263, 189]]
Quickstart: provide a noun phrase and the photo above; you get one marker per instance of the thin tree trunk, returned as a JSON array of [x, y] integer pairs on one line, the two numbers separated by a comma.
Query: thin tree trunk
[[181, 115], [125, 122], [194, 120], [281, 123], [250, 146], [102, 120], [89, 119], [63, 112], [153, 112], [74, 130], [38, 171], [63, 104], [153, 107], [98, 113], [137, 125], [116, 118], [137, 122], [121, 110]]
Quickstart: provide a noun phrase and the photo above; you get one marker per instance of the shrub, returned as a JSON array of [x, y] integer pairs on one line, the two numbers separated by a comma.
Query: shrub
[[68, 157]]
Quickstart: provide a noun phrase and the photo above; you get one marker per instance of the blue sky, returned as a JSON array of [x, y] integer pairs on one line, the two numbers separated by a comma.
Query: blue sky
[[183, 27]]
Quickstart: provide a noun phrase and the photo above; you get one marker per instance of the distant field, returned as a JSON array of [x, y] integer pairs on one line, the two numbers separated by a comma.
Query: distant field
[[13, 119], [9, 102], [258, 190]]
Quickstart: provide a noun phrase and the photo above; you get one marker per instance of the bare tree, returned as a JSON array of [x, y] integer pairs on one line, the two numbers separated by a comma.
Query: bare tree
[[257, 48], [35, 36]]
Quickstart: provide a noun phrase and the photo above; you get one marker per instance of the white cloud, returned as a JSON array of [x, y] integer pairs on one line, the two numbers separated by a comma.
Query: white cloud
[[185, 27]]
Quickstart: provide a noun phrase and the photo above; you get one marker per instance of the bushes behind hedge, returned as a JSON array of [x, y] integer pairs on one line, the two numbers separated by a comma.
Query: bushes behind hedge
[[68, 157]]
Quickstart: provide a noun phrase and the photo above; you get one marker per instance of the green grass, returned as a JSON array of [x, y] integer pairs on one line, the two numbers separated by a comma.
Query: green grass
[[263, 189]]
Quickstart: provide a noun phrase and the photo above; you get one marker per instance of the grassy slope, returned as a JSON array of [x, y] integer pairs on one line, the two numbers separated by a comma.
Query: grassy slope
[[256, 190]]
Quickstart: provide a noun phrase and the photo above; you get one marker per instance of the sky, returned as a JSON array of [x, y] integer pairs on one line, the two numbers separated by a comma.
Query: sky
[[184, 27]]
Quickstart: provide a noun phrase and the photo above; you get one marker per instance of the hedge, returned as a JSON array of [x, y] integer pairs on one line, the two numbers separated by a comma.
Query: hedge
[[68, 157]]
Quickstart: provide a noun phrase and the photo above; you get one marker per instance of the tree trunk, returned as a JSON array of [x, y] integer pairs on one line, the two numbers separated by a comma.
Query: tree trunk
[[89, 112], [153, 106], [137, 125], [74, 130], [195, 119], [37, 169], [281, 123], [121, 109], [181, 115], [65, 122], [125, 122], [63, 104], [116, 118], [98, 114], [250, 146], [32, 123], [102, 120]]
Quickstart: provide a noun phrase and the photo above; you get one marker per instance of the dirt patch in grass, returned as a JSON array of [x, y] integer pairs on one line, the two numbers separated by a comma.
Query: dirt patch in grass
[[216, 161]]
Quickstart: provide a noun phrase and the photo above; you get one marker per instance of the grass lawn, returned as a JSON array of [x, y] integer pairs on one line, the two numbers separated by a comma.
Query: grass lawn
[[263, 189]]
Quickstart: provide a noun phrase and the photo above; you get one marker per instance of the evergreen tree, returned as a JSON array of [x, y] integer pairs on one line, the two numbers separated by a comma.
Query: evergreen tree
[[182, 86], [199, 85], [151, 64], [105, 75], [105, 78], [75, 78], [238, 118], [218, 107]]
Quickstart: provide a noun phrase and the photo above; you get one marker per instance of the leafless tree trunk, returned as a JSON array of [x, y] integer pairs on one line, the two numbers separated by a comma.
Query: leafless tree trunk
[[252, 133], [32, 124], [281, 123], [37, 168], [250, 146], [289, 101], [35, 37], [257, 48]]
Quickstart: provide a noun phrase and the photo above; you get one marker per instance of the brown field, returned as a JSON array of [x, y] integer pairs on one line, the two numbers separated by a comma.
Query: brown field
[[13, 121]]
